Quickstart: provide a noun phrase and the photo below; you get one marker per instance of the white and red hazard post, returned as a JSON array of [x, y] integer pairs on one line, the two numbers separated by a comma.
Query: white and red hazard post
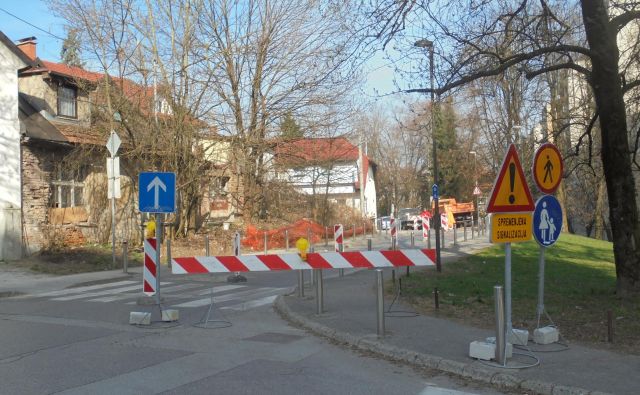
[[394, 232], [149, 270], [338, 237]]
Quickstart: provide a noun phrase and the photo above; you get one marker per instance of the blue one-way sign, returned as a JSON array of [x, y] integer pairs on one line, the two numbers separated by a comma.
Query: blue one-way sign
[[157, 192]]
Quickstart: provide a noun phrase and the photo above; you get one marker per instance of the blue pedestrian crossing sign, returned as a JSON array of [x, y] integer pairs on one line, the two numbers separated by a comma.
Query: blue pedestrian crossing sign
[[547, 220], [157, 192]]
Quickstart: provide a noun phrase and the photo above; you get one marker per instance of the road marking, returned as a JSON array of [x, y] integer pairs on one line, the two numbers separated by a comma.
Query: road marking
[[104, 292], [232, 296], [69, 291], [222, 288], [432, 390], [251, 304], [136, 294]]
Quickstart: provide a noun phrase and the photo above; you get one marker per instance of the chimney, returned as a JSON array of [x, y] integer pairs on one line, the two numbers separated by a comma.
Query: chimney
[[28, 46]]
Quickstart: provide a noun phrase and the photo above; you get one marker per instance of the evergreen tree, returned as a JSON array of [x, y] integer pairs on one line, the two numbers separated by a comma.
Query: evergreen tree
[[289, 128], [70, 52]]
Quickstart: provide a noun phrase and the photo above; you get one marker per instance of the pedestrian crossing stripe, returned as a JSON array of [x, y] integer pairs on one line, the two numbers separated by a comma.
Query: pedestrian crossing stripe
[[510, 191]]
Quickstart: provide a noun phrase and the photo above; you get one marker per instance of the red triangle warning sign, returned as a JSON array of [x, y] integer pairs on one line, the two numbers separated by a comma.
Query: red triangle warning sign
[[510, 191]]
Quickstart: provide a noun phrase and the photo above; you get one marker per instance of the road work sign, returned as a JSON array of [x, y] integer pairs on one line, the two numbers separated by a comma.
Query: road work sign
[[511, 227], [510, 191], [547, 168]]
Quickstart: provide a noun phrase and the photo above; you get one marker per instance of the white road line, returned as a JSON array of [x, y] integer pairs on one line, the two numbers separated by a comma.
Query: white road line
[[221, 288], [137, 294], [251, 304], [105, 292], [433, 390], [70, 291], [232, 296]]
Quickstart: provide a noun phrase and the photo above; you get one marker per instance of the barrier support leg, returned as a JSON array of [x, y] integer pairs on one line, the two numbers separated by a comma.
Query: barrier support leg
[[380, 300], [319, 292]]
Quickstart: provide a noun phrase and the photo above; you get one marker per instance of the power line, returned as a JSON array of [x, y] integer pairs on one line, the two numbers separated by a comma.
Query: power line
[[31, 24]]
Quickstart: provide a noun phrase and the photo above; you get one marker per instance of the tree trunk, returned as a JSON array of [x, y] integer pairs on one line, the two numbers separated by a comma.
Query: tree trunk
[[607, 89]]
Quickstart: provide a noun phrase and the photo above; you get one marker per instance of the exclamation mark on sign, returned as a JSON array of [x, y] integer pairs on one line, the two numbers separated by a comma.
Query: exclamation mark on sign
[[512, 179]]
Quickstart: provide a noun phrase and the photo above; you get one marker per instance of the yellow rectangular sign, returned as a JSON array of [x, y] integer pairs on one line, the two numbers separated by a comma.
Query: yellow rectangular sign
[[511, 227]]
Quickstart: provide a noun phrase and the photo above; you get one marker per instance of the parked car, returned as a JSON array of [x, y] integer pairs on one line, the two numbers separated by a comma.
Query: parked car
[[383, 222]]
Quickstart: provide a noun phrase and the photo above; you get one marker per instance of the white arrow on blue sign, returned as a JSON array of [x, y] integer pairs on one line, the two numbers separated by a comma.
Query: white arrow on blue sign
[[434, 191], [157, 192], [547, 220]]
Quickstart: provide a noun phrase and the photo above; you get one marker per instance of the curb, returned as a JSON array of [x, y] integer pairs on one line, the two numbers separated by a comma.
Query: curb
[[493, 377]]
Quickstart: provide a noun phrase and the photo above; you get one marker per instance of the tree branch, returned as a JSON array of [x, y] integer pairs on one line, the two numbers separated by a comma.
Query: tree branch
[[620, 21], [569, 65]]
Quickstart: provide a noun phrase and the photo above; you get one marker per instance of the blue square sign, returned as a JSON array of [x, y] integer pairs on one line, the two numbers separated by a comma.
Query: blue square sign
[[157, 192]]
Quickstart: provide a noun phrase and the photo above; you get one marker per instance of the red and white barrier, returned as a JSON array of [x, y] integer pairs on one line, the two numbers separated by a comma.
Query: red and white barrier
[[425, 227], [149, 269], [323, 260], [394, 228], [338, 238]]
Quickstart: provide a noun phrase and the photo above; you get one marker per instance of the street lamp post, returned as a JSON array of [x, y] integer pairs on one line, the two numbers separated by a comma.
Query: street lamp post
[[475, 176], [424, 43]]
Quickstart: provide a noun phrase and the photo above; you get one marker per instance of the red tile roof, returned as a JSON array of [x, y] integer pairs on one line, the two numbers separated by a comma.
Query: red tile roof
[[318, 151], [71, 71]]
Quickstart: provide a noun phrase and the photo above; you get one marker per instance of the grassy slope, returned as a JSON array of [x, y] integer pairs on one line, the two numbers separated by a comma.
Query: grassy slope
[[579, 289]]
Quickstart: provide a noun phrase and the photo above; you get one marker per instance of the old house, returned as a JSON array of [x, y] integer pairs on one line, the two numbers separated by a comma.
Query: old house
[[53, 170], [332, 168]]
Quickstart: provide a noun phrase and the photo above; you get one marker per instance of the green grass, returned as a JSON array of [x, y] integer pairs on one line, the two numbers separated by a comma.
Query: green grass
[[579, 289]]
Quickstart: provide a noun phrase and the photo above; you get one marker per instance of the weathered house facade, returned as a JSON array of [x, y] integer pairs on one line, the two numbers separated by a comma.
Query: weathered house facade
[[53, 169]]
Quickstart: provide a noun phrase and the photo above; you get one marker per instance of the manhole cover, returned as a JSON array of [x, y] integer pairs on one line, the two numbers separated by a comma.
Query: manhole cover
[[274, 337]]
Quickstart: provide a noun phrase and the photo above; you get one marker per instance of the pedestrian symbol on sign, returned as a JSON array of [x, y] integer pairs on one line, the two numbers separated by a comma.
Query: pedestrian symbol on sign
[[547, 220]]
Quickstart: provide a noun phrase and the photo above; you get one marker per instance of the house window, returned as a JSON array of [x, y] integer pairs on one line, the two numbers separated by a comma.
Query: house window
[[219, 187], [66, 191], [67, 101]]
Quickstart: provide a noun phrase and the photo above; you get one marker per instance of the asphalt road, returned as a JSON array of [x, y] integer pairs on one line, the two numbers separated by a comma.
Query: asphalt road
[[77, 340]]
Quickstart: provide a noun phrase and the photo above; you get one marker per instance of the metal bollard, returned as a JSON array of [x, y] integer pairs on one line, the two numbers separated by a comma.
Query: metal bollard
[[393, 243], [206, 245], [369, 242], [413, 243], [380, 300], [455, 235], [265, 243], [125, 256], [341, 271], [501, 355], [168, 241], [473, 232], [465, 230], [286, 239], [319, 295], [301, 283]]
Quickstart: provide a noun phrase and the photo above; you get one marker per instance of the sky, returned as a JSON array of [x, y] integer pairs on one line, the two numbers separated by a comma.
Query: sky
[[38, 21]]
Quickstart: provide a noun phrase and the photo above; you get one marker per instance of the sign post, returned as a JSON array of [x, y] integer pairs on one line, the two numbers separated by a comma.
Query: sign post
[[512, 202], [113, 187], [157, 194], [547, 223]]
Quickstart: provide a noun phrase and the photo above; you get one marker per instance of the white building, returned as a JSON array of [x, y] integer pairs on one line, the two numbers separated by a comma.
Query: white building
[[331, 166], [12, 60]]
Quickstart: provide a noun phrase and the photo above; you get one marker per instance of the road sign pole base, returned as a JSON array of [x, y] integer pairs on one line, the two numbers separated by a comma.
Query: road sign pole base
[[236, 278]]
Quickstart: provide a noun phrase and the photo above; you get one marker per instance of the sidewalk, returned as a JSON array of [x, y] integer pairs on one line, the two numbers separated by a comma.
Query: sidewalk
[[350, 318]]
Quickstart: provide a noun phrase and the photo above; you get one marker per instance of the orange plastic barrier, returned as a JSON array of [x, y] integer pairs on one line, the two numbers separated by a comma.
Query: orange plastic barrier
[[254, 237]]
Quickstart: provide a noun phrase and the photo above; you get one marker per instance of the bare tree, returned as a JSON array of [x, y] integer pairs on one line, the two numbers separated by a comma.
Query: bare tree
[[473, 37]]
